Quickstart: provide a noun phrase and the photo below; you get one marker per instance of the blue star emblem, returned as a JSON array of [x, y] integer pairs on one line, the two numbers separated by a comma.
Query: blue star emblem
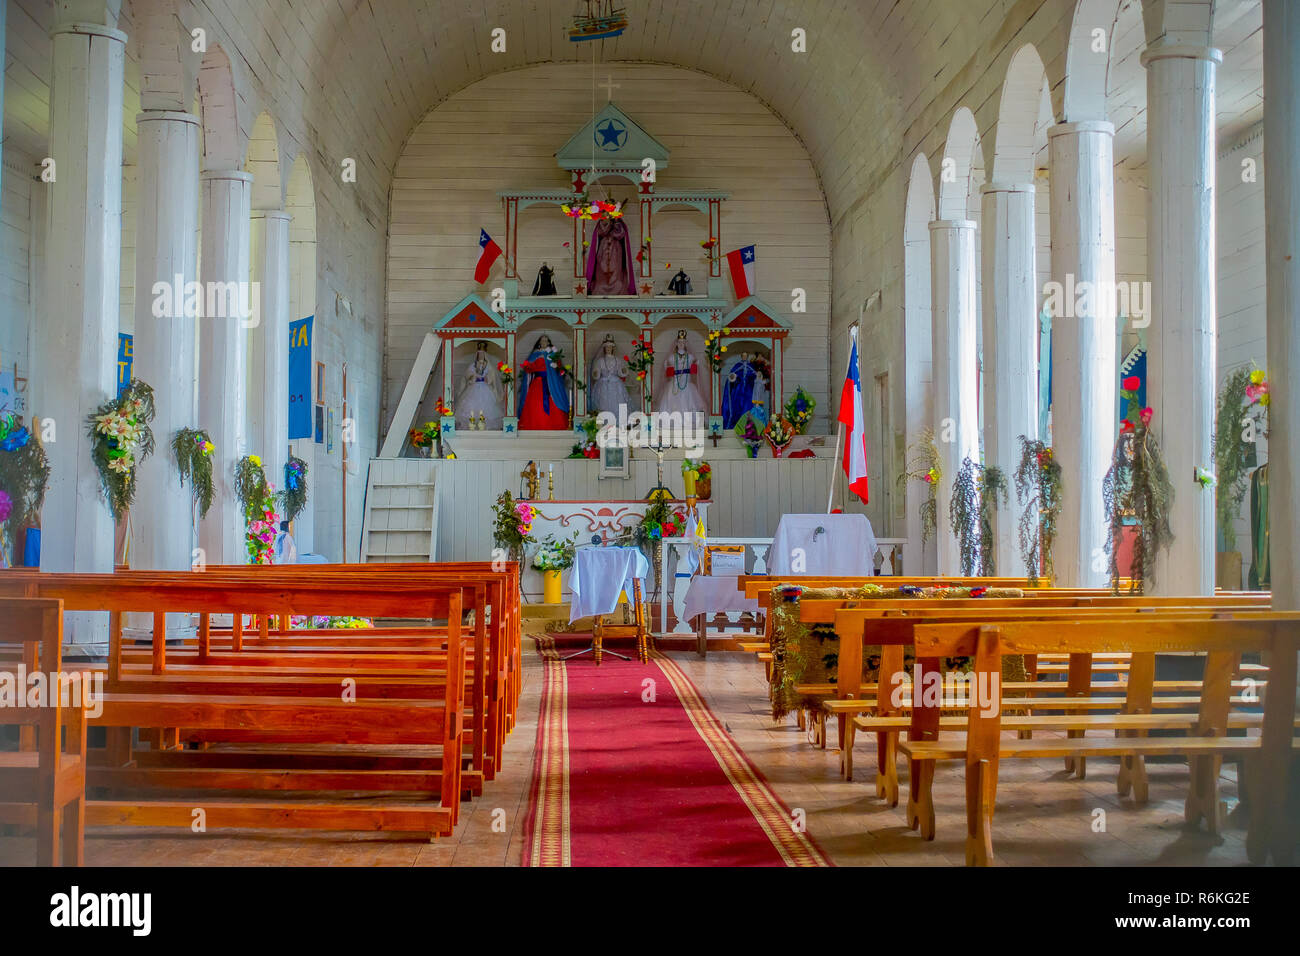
[[611, 135]]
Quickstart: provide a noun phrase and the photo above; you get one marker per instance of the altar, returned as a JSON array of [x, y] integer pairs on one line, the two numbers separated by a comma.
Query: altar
[[597, 523]]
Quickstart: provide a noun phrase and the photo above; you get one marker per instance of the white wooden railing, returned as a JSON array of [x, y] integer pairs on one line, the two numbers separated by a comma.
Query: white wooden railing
[[888, 560]]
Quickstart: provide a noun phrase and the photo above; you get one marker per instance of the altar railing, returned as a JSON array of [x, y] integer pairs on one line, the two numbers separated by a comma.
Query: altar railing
[[888, 560]]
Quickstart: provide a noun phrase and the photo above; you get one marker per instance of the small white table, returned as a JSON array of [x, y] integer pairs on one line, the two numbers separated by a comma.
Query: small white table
[[708, 596], [841, 545]]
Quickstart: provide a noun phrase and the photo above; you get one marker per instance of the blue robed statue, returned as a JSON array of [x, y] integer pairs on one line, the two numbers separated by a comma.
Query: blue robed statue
[[543, 395], [738, 390]]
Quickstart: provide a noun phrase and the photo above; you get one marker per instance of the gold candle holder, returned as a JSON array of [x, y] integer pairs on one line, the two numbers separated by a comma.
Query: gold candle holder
[[550, 485]]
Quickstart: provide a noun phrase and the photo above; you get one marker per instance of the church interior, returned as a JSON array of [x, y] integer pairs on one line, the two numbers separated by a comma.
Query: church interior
[[649, 433]]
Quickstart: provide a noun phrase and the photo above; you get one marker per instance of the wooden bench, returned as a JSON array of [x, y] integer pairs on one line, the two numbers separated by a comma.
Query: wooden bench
[[50, 779], [1223, 641]]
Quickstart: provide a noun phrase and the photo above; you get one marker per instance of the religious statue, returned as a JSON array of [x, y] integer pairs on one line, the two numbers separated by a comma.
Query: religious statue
[[738, 390], [679, 393], [545, 284], [610, 268], [478, 403], [607, 380], [680, 284], [543, 395]]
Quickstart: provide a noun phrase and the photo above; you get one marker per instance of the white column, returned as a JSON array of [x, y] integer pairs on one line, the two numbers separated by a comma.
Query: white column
[[165, 263], [268, 344], [1084, 383], [80, 313], [1010, 349], [226, 196], [956, 399], [1181, 264], [1282, 248]]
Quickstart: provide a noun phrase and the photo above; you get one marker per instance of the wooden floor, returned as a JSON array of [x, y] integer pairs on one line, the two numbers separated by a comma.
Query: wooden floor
[[1043, 818]]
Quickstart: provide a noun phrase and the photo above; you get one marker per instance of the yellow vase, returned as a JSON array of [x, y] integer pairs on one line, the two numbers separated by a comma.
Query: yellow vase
[[551, 587], [689, 479]]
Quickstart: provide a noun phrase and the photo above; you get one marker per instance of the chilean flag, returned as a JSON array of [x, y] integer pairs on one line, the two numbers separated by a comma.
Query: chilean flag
[[488, 255], [855, 449], [741, 263]]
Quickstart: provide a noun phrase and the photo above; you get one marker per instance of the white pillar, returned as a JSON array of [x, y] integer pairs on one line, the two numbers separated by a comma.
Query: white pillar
[[1084, 383], [80, 313], [268, 345], [226, 196], [1010, 349], [956, 399], [1181, 264], [1282, 249], [165, 263]]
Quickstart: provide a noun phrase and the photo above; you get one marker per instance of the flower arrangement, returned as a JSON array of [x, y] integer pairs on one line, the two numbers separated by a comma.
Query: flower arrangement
[[714, 350], [642, 361], [293, 499], [192, 449], [553, 555], [1038, 489], [321, 622], [922, 464], [779, 433], [799, 409], [749, 429], [587, 448], [1137, 485], [120, 439], [711, 248], [6, 506], [24, 476], [588, 210], [505, 373], [425, 436], [257, 499], [1240, 418], [512, 524]]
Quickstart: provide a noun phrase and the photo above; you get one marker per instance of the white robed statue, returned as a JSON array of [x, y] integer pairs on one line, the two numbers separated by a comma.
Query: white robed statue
[[607, 380], [679, 392], [478, 404]]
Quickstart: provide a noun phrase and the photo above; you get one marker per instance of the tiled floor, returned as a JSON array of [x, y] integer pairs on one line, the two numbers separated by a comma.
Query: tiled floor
[[1043, 818]]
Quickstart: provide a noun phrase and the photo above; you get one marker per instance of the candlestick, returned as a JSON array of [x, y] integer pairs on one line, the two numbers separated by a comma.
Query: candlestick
[[550, 483]]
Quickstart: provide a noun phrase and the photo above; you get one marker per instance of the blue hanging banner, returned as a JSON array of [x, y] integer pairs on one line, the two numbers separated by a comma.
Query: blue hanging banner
[[125, 354], [300, 378]]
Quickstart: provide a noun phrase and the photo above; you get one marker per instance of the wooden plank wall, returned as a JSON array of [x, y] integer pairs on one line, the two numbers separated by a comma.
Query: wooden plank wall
[[749, 497]]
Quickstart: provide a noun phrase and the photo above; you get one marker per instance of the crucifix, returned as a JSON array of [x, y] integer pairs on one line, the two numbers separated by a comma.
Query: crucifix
[[609, 86], [715, 437]]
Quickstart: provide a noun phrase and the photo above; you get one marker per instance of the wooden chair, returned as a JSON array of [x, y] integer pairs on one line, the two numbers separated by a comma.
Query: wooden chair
[[636, 628], [51, 778]]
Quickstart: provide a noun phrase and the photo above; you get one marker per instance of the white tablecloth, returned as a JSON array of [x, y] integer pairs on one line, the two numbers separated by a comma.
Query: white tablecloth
[[599, 575], [709, 595], [823, 545]]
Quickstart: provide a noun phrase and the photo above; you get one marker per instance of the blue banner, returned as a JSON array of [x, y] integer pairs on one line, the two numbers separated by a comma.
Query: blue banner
[[300, 378], [125, 355]]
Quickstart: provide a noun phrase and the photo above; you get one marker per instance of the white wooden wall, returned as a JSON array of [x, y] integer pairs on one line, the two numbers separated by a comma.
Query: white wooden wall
[[749, 497], [503, 132]]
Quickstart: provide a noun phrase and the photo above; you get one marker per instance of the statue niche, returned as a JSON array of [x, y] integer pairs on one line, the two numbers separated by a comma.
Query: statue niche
[[610, 267]]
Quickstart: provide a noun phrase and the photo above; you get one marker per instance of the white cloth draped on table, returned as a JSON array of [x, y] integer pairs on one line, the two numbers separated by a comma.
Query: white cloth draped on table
[[824, 546], [710, 595], [599, 575]]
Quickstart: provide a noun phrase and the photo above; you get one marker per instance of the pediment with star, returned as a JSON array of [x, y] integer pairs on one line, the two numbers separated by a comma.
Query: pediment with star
[[618, 141]]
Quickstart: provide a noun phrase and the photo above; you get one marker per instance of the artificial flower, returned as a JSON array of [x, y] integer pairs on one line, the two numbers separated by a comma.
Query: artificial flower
[[1132, 383], [6, 506], [1146, 415]]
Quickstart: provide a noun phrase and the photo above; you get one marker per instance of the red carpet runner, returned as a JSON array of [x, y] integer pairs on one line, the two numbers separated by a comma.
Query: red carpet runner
[[622, 781]]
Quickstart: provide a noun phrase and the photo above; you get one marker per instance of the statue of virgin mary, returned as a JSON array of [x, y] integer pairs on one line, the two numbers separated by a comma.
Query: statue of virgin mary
[[610, 268], [543, 395]]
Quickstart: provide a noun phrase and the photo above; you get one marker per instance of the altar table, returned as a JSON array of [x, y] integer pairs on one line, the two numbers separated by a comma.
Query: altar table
[[837, 545], [708, 596]]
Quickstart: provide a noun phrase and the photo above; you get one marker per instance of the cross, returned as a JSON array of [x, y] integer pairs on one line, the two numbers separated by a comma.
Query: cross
[[609, 86], [715, 438]]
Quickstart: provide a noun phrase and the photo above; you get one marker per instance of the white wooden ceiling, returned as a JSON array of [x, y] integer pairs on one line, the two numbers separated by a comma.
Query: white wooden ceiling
[[363, 72]]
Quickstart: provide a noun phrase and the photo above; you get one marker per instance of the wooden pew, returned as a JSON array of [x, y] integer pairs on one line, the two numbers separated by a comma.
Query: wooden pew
[[1223, 641], [51, 780], [259, 716]]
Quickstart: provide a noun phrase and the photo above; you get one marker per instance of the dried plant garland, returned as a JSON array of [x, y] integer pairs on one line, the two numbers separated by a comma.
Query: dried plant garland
[[192, 449], [1137, 486], [120, 439], [1239, 421], [976, 492], [922, 464], [1038, 490], [993, 497], [293, 499], [24, 476]]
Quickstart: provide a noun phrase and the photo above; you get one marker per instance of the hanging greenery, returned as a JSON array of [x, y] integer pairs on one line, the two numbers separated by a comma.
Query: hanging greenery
[[1038, 489], [257, 499], [251, 486], [120, 439], [512, 525], [993, 496], [294, 497], [922, 464], [192, 449], [1137, 486], [1239, 421], [24, 476]]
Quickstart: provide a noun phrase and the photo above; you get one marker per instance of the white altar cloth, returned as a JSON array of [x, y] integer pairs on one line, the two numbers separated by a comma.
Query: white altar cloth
[[600, 575], [710, 595], [823, 545]]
